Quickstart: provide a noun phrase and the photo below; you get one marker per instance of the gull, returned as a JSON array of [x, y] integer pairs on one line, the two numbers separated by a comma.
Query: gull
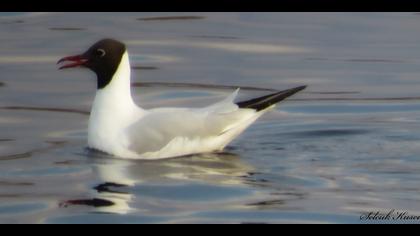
[[117, 126]]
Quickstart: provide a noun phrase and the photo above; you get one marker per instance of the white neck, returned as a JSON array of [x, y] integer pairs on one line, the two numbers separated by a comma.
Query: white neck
[[113, 109], [119, 89]]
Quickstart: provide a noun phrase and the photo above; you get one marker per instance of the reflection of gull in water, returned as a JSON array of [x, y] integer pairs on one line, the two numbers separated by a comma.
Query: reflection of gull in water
[[118, 177]]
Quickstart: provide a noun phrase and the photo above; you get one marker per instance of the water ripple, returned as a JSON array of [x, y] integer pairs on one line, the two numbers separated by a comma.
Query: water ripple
[[170, 18]]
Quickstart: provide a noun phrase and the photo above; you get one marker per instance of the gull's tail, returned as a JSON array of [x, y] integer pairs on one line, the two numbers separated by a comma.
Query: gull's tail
[[264, 102]]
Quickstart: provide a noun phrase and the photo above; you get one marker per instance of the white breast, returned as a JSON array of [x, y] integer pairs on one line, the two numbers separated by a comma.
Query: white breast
[[112, 111]]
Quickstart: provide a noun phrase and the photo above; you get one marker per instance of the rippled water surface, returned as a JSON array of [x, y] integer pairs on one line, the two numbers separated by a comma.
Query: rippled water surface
[[347, 145]]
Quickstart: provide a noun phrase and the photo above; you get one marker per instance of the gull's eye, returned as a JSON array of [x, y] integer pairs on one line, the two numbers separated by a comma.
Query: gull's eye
[[100, 52]]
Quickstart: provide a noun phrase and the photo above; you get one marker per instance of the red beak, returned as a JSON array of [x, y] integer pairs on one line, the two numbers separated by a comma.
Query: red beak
[[78, 60]]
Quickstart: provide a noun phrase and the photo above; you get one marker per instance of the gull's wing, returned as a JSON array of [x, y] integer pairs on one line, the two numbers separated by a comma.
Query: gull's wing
[[267, 101], [201, 128], [168, 132]]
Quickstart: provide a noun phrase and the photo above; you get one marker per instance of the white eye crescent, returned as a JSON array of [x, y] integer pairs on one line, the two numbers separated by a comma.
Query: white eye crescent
[[101, 52]]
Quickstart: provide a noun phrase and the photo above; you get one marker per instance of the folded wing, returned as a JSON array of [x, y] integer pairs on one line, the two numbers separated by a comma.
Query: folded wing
[[168, 132]]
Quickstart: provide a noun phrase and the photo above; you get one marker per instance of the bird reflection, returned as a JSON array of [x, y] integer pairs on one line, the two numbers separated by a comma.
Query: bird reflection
[[117, 177]]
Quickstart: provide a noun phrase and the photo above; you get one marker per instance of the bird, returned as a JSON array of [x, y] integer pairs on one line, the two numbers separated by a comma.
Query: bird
[[119, 127]]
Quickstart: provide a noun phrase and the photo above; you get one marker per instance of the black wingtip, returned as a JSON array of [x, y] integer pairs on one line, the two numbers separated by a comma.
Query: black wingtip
[[264, 102]]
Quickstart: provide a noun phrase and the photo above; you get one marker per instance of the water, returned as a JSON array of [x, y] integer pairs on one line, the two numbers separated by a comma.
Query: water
[[347, 145]]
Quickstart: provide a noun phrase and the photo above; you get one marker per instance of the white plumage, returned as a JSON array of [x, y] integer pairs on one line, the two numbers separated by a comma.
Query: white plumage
[[119, 127]]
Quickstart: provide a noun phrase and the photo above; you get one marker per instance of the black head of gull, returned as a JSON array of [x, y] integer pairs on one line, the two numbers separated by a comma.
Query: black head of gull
[[103, 58]]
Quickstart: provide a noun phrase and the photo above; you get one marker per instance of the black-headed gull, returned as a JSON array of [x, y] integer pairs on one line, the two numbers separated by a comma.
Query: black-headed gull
[[119, 127]]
